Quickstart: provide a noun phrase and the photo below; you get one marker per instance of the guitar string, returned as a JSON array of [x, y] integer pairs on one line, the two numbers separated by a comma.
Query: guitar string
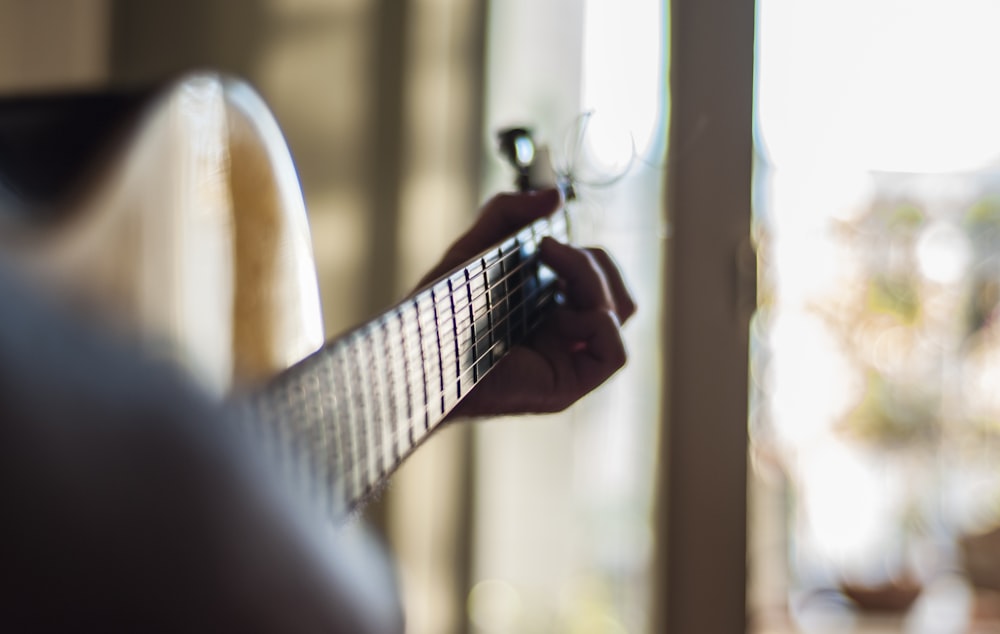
[[374, 458], [463, 322], [490, 288], [361, 467], [451, 333], [438, 416], [433, 371], [412, 440], [488, 332], [445, 303], [425, 409], [358, 470], [413, 327], [558, 226], [465, 317], [554, 230], [433, 374], [487, 289], [365, 459]]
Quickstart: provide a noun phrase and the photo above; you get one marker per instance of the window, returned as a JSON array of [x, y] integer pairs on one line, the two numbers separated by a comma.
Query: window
[[874, 496]]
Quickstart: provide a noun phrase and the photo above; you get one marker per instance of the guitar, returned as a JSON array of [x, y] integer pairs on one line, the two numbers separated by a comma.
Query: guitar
[[196, 236]]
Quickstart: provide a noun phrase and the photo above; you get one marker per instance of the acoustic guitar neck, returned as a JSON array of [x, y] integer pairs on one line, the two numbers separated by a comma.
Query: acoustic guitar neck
[[361, 404]]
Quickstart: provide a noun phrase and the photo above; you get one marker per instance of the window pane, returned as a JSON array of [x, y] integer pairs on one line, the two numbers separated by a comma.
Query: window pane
[[563, 535], [874, 416]]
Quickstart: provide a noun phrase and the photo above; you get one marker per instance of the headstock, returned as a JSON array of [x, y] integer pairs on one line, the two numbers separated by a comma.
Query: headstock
[[531, 162]]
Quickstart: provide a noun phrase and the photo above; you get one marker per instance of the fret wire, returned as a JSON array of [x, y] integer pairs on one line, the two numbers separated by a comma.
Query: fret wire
[[454, 330], [419, 358], [353, 488], [472, 317], [393, 384], [437, 338], [488, 288], [438, 417], [380, 404], [360, 405], [531, 260], [488, 296], [347, 445], [373, 432], [431, 373], [511, 309], [407, 372], [449, 371], [542, 295], [423, 360], [476, 290], [411, 358], [464, 373], [330, 440], [526, 262], [462, 310], [507, 336], [524, 313], [484, 356], [514, 307], [547, 296], [491, 348], [535, 241]]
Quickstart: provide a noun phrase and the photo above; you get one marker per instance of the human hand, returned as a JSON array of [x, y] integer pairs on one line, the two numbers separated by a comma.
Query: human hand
[[578, 346]]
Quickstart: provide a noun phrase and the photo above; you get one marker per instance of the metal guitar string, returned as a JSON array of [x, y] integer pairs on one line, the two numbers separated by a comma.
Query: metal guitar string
[[333, 461]]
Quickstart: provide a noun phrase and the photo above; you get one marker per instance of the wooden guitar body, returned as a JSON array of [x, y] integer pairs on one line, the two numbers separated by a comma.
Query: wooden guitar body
[[191, 232]]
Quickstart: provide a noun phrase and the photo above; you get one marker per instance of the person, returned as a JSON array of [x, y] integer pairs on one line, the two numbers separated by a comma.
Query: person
[[132, 503]]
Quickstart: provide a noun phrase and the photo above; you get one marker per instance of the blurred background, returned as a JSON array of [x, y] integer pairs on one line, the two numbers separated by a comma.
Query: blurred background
[[875, 497], [390, 110], [861, 494]]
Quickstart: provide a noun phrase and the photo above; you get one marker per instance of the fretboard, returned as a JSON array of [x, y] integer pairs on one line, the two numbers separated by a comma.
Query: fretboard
[[351, 412]]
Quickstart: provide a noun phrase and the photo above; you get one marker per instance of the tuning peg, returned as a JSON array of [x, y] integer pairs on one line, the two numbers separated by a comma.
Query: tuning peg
[[518, 148]]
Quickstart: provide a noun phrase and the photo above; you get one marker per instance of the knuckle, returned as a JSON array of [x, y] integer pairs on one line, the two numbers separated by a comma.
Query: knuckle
[[617, 354], [629, 307], [610, 319], [560, 405], [588, 256], [603, 259], [599, 254]]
